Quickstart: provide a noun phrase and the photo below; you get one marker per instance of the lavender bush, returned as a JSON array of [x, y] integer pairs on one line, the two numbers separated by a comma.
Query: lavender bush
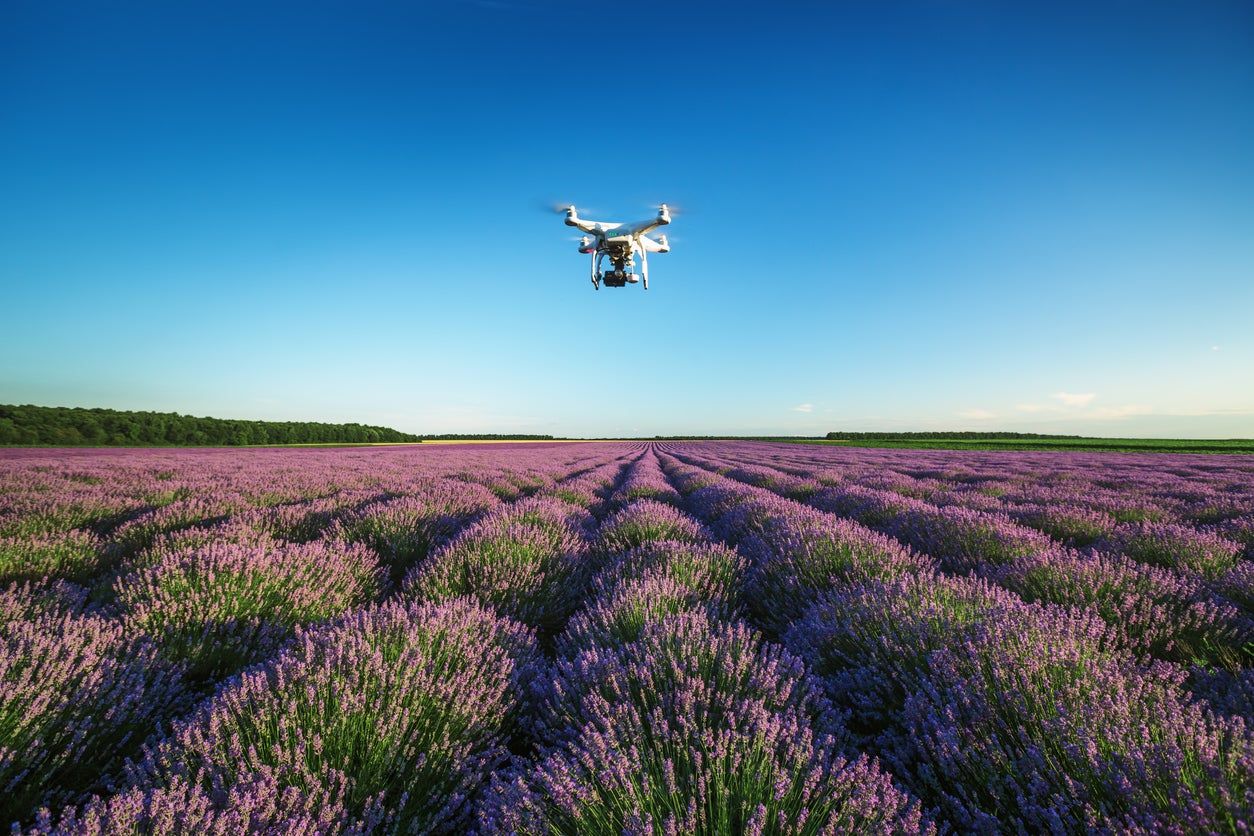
[[1037, 723], [962, 540], [1237, 585], [1173, 546], [799, 558], [403, 530], [646, 775], [870, 643], [646, 521], [36, 599], [396, 714], [259, 806], [1165, 613], [712, 571], [621, 617], [531, 570], [77, 694], [1074, 525], [221, 607], [693, 728], [72, 555]]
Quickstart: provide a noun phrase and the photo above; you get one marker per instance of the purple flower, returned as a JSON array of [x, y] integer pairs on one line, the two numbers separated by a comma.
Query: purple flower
[[1161, 611], [221, 607], [71, 555], [529, 563], [645, 480], [694, 727], [671, 654], [402, 530], [800, 557], [395, 712], [622, 616], [712, 571], [77, 694], [1239, 530], [1074, 525], [1237, 585], [36, 599], [871, 642], [1036, 722], [646, 521], [1173, 546], [259, 805]]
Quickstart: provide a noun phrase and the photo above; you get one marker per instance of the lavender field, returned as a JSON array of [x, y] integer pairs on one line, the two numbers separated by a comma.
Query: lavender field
[[625, 638]]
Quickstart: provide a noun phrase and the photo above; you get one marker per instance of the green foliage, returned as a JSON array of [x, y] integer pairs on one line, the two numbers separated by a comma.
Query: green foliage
[[57, 426], [1028, 441], [910, 436]]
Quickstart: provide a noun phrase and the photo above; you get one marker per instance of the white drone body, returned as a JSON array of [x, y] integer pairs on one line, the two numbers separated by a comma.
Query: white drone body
[[620, 242]]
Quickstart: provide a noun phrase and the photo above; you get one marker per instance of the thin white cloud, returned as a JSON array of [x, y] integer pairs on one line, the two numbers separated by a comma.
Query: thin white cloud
[[977, 414], [1032, 407], [1073, 399], [1121, 411], [1214, 348], [803, 407]]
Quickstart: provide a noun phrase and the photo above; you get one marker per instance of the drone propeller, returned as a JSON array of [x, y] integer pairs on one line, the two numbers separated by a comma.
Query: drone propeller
[[674, 208], [559, 207]]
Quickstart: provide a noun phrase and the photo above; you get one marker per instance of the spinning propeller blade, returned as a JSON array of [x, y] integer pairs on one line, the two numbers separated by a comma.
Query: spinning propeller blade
[[559, 207], [674, 209]]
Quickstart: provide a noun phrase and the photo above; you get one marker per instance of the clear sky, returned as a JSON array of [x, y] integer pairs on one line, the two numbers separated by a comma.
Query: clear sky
[[902, 215]]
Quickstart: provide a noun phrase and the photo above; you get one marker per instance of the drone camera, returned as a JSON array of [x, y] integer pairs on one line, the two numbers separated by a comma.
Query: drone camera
[[619, 278]]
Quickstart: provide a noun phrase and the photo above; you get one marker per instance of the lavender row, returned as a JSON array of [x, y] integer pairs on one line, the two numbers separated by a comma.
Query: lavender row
[[999, 711], [1148, 579], [565, 645], [208, 595], [664, 713], [1075, 497]]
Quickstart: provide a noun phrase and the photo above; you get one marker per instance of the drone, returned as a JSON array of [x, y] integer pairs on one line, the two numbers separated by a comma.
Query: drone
[[620, 242]]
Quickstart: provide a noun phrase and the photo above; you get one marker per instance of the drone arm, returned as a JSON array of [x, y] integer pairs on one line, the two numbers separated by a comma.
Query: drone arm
[[663, 218], [648, 245], [644, 226], [580, 224], [573, 219]]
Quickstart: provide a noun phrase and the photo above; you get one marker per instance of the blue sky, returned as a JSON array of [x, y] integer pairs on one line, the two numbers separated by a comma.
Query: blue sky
[[902, 215]]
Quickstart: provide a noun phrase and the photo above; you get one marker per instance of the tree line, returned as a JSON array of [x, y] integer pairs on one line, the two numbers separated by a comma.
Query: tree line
[[57, 426], [910, 436]]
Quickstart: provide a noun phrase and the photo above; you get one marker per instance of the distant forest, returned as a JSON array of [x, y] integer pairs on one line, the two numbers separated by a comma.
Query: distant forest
[[876, 436], [57, 426]]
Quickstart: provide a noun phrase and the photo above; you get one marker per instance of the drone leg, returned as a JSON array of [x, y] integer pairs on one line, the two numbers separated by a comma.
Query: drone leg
[[593, 274], [644, 267]]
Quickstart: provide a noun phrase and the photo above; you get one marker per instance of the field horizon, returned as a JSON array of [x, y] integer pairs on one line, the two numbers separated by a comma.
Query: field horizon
[[35, 426]]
